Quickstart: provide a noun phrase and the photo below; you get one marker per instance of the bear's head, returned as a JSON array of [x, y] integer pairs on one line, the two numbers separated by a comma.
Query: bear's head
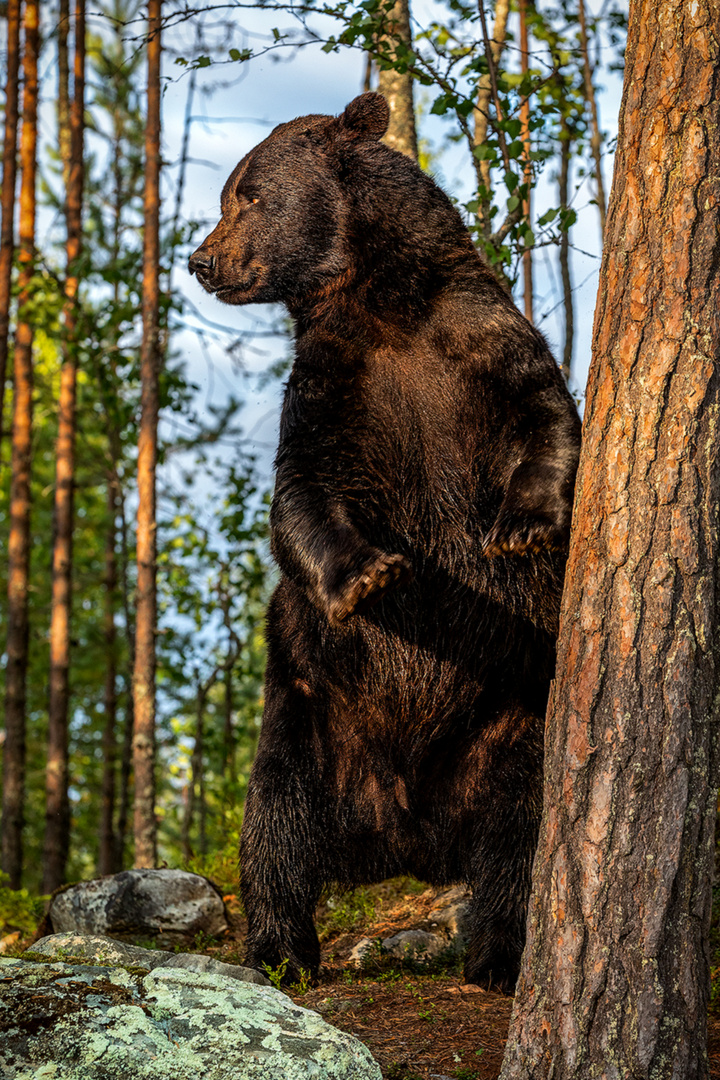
[[282, 234]]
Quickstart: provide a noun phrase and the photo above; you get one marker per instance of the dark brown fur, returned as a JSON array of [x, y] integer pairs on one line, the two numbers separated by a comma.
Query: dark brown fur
[[427, 454]]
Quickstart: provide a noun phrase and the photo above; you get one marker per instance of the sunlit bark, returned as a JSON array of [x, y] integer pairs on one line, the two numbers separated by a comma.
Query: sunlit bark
[[57, 821], [19, 539], [146, 611], [7, 199], [397, 87], [615, 975]]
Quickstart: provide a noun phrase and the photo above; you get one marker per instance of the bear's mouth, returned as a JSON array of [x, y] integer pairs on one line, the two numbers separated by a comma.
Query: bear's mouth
[[235, 293]]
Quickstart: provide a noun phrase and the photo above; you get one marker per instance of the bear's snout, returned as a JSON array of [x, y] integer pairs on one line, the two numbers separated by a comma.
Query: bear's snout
[[201, 261]]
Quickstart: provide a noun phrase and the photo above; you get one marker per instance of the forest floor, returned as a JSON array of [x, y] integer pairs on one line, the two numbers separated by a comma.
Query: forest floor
[[419, 1020]]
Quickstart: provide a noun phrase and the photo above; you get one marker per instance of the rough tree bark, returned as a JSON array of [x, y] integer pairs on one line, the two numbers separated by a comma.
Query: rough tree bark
[[57, 804], [19, 539], [615, 975], [7, 199], [144, 828], [397, 87]]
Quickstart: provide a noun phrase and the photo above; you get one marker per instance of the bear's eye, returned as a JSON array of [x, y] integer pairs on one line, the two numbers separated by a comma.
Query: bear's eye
[[247, 200]]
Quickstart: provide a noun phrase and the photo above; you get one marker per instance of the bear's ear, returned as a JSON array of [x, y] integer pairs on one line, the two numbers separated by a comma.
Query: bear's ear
[[366, 117]]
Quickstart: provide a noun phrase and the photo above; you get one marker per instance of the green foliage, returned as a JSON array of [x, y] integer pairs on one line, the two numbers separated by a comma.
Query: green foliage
[[213, 560], [346, 912], [19, 911], [277, 975], [304, 983]]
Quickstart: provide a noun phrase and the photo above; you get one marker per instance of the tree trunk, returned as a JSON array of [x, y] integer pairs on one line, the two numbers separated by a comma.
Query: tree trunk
[[228, 762], [485, 88], [146, 617], [126, 757], [595, 133], [7, 200], [563, 191], [107, 854], [57, 813], [615, 974], [19, 540], [194, 790], [397, 87], [63, 98], [527, 257]]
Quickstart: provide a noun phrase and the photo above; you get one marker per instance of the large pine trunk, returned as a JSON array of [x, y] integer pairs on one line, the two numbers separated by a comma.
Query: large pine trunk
[[615, 975], [19, 539], [7, 199], [146, 612], [57, 807]]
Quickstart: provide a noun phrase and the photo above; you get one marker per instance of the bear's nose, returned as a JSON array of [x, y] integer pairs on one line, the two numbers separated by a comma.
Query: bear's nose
[[200, 260]]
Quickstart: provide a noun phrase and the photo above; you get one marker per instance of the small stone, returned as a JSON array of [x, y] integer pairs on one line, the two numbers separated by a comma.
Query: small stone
[[452, 910], [364, 946], [416, 944]]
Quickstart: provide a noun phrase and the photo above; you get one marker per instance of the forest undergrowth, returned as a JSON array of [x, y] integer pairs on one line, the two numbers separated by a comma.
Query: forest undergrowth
[[417, 1017]]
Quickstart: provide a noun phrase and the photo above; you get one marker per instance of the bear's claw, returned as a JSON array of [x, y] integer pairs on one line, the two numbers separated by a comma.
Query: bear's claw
[[377, 577]]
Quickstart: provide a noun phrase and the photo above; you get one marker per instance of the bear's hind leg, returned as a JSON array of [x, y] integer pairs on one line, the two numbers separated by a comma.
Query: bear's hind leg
[[280, 858], [501, 860]]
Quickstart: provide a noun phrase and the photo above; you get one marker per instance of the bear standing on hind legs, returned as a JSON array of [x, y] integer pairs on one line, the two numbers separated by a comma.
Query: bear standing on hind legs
[[425, 471]]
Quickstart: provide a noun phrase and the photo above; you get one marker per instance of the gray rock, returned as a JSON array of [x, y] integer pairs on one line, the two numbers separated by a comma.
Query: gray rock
[[199, 962], [418, 944], [102, 950], [72, 1022], [99, 950], [364, 946], [452, 910], [171, 906]]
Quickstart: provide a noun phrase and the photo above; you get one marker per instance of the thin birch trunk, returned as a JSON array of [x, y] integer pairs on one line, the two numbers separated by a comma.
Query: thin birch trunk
[[595, 133], [527, 257], [485, 88], [57, 814], [228, 763], [192, 789], [146, 613], [7, 200], [563, 194], [397, 87], [108, 849], [19, 540]]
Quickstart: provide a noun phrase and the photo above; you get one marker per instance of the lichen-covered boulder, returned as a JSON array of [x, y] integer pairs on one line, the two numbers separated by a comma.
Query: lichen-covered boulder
[[171, 906], [86, 1022], [89, 948]]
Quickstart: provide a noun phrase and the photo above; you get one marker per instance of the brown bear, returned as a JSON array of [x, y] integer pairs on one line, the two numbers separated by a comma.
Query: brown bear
[[425, 470]]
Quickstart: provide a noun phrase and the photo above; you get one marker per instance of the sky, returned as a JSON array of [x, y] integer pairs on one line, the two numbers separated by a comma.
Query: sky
[[234, 107]]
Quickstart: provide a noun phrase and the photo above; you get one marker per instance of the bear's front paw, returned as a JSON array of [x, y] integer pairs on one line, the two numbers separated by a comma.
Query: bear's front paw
[[361, 590], [516, 534]]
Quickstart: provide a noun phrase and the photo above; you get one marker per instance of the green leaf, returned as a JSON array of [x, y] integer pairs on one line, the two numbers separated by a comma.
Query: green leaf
[[441, 105], [548, 216]]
